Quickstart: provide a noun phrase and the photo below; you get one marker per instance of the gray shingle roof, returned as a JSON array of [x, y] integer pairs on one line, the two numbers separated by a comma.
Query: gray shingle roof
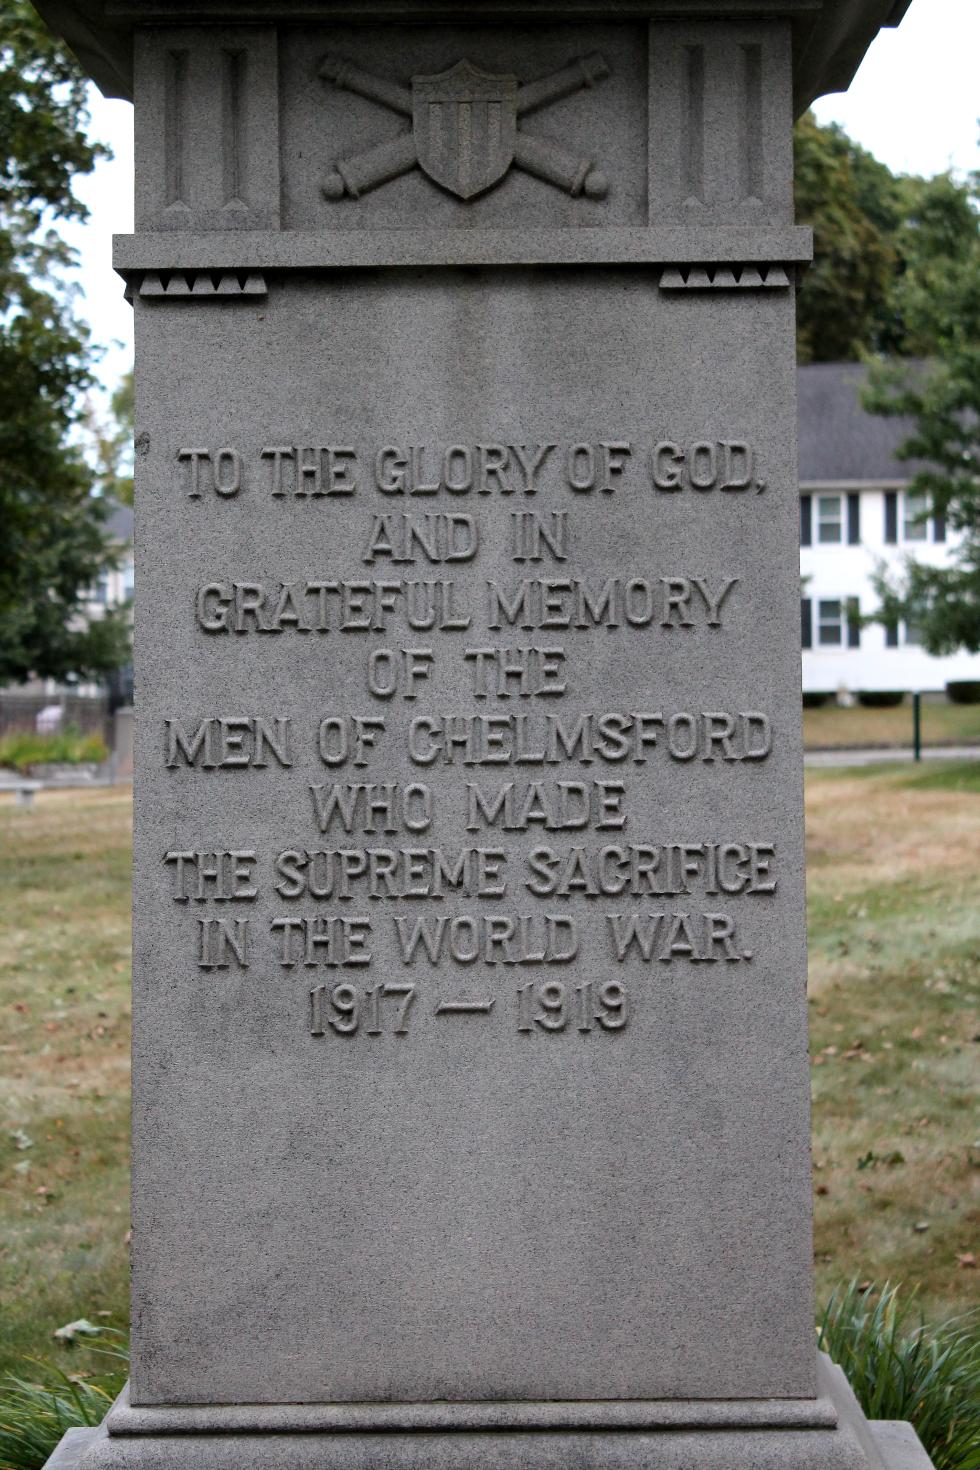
[[119, 523], [839, 441]]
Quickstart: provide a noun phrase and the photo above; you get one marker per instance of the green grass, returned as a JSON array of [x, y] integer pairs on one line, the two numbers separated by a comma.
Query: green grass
[[64, 1070], [947, 776], [894, 894], [932, 775], [942, 724], [894, 916]]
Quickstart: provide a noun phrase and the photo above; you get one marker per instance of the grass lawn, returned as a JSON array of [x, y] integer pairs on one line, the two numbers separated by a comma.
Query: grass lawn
[[942, 724], [64, 1068], [895, 933], [894, 918]]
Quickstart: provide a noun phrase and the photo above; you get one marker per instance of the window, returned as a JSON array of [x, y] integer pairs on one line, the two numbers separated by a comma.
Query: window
[[128, 579], [913, 635], [915, 526], [830, 623], [829, 520], [101, 593]]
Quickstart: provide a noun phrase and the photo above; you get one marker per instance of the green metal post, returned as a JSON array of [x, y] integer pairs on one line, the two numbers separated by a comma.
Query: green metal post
[[917, 726]]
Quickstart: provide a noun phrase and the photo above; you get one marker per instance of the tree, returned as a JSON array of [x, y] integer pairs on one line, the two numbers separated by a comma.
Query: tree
[[881, 242], [849, 199], [54, 547], [112, 443], [942, 399]]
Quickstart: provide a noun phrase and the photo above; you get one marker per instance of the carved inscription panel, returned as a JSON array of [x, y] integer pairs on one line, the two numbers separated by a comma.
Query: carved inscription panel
[[469, 955]]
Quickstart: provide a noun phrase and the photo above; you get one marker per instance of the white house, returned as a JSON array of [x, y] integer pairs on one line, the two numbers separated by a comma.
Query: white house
[[115, 587], [857, 514]]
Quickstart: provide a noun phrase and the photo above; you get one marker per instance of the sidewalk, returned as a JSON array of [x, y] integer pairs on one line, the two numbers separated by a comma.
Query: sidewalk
[[9, 781], [878, 757]]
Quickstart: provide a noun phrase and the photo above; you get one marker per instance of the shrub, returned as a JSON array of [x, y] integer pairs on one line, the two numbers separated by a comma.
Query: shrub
[[880, 698], [963, 691], [25, 748], [814, 701], [903, 1369]]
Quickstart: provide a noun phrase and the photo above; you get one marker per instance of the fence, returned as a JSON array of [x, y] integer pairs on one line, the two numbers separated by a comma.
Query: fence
[[87, 712]]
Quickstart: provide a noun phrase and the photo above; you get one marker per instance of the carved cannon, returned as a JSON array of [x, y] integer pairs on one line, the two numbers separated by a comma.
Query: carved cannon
[[464, 129]]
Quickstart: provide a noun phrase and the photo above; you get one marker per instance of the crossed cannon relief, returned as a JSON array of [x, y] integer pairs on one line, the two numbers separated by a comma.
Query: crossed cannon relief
[[464, 129]]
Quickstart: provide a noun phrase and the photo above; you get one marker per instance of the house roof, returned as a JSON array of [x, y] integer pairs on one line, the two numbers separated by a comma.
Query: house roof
[[839, 440], [119, 523]]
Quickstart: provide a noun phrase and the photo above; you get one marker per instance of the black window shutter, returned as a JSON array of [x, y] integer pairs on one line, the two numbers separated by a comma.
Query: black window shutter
[[891, 635], [939, 526], [806, 622], [854, 520], [891, 517], [853, 623], [806, 520]]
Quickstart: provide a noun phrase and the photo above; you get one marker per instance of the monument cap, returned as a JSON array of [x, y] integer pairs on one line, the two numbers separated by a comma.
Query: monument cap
[[829, 38]]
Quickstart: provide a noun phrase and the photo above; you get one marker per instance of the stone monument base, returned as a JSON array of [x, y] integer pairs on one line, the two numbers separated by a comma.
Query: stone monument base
[[826, 1433]]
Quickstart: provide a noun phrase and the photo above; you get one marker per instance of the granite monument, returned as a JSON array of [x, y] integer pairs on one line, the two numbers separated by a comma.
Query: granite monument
[[470, 1061]]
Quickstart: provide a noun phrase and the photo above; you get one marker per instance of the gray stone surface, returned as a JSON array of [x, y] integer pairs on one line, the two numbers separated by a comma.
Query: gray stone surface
[[828, 43], [332, 249], [673, 1414], [899, 1445], [827, 1432], [782, 1450], [470, 1074], [71, 1447], [615, 1213]]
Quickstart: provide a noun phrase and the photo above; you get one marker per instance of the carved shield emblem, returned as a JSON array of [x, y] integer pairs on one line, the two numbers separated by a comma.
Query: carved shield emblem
[[465, 123]]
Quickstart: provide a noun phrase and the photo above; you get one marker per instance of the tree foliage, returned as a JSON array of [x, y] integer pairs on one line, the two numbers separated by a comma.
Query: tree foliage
[[848, 202], [896, 279], [54, 546], [941, 398], [112, 443], [882, 243]]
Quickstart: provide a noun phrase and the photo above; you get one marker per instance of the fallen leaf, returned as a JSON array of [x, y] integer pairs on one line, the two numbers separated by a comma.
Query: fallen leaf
[[81, 1328], [967, 1261], [920, 1226], [20, 1139]]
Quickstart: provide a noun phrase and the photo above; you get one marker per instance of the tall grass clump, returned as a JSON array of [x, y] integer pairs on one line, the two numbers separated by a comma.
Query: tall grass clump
[[901, 1368], [35, 1414]]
